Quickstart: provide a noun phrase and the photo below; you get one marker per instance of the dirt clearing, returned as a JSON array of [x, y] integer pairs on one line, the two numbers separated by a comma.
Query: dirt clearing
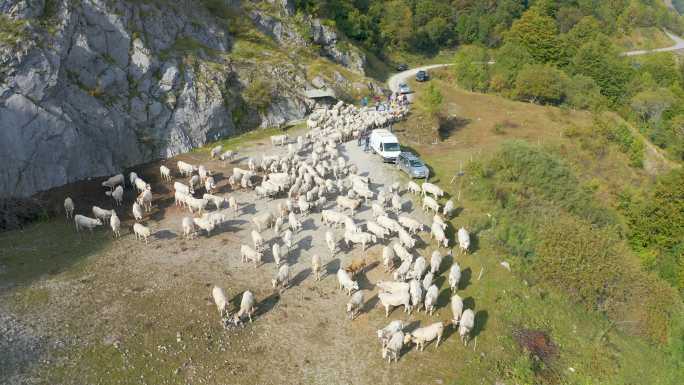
[[122, 312]]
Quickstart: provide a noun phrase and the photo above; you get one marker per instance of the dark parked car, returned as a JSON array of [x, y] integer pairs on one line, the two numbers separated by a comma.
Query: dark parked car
[[422, 76], [402, 67], [412, 165]]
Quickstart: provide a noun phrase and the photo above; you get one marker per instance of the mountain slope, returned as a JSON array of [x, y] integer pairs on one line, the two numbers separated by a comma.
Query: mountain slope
[[90, 87]]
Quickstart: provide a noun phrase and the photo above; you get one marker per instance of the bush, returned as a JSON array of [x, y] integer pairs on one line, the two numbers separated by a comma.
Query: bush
[[656, 226], [567, 241], [259, 94], [524, 171], [620, 134], [540, 83], [510, 59], [471, 68], [12, 32], [590, 265], [583, 93]]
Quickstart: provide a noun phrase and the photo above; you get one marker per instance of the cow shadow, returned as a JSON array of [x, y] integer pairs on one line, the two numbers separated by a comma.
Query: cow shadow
[[165, 234], [157, 214], [249, 208], [457, 212], [364, 283], [440, 280], [468, 303], [298, 247], [413, 325], [267, 304], [370, 267], [447, 260], [224, 228], [408, 206], [300, 277], [474, 243], [481, 318], [421, 245], [443, 299], [370, 304], [332, 266], [237, 222], [308, 224], [466, 275], [448, 331]]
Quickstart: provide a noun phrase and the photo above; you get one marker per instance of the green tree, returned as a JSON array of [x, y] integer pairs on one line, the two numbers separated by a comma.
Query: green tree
[[599, 60], [430, 101], [586, 30], [651, 104], [438, 30], [471, 68], [509, 60], [662, 67], [637, 14], [656, 223], [567, 17], [540, 83], [537, 33], [394, 26], [582, 92]]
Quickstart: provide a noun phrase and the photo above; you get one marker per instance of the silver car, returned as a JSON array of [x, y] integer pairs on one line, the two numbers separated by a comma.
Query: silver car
[[412, 165]]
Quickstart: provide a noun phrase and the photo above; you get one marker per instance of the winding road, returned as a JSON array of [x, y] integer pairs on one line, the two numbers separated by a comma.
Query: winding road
[[401, 77], [679, 44]]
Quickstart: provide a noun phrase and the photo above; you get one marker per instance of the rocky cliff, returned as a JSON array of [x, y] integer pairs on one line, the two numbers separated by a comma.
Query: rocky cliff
[[88, 87]]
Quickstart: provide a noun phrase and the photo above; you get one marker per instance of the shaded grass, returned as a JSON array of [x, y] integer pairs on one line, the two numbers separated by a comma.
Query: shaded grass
[[49, 247], [250, 137]]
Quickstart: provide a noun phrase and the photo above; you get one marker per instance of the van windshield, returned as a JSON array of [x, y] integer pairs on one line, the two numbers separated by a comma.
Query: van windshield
[[390, 146]]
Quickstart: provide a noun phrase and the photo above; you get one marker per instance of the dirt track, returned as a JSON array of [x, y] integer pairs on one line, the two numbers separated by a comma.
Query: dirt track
[[119, 318]]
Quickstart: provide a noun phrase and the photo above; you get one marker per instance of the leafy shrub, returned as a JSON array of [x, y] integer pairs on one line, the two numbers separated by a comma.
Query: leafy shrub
[[12, 32], [582, 92], [471, 68], [259, 94], [528, 170], [498, 129], [567, 241], [540, 84], [620, 134], [656, 226], [590, 266]]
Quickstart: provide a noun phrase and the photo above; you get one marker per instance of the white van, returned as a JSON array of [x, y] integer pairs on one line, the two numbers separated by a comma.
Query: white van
[[385, 144]]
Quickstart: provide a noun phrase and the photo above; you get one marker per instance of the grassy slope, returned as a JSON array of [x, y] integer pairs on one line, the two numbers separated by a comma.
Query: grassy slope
[[481, 122], [588, 343]]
